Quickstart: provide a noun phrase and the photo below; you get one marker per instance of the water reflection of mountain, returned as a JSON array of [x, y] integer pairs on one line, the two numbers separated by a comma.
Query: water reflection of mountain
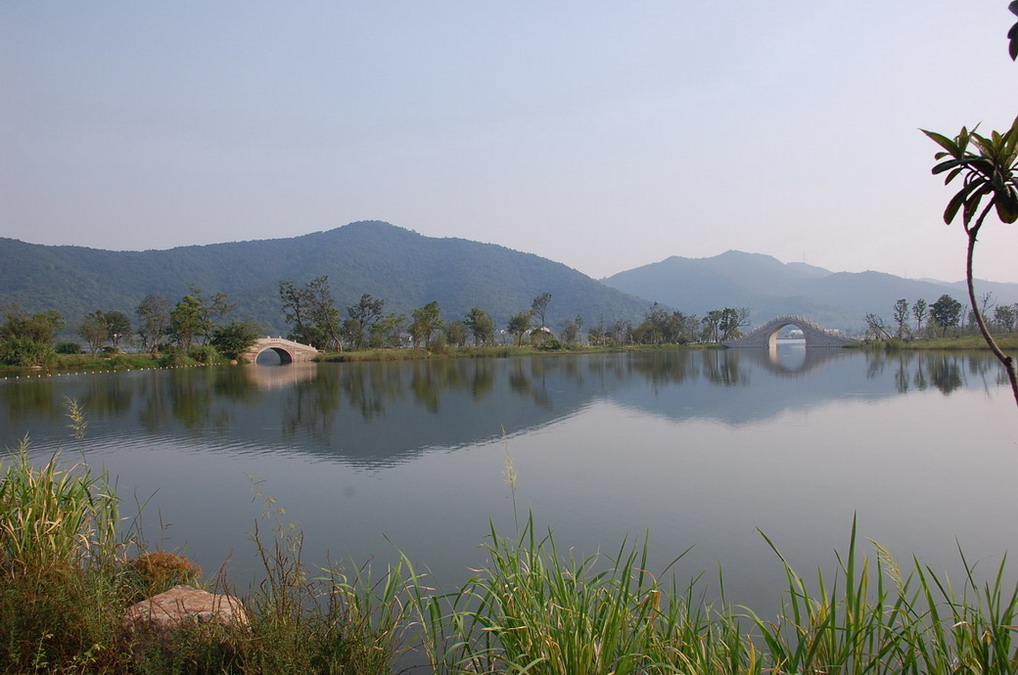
[[385, 412]]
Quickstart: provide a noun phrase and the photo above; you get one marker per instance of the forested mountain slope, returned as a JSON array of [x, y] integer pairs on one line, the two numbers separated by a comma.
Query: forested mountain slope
[[400, 266]]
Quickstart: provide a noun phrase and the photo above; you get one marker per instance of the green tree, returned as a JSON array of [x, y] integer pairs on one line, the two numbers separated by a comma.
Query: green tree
[[901, 317], [426, 320], [919, 308], [365, 313], [945, 312], [235, 338], [212, 308], [296, 311], [186, 322], [519, 324], [388, 331], [1004, 317], [987, 166], [153, 314], [876, 329], [41, 327], [28, 340], [711, 325], [621, 332], [311, 313], [597, 334], [733, 320], [480, 325], [118, 326], [539, 306], [324, 316], [572, 329], [94, 330], [352, 333], [652, 329], [456, 333]]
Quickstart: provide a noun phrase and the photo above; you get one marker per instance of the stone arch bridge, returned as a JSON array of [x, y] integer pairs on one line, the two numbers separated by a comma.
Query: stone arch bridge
[[288, 350], [766, 336]]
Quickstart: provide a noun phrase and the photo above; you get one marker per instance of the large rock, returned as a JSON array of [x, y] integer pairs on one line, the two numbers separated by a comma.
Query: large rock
[[181, 604]]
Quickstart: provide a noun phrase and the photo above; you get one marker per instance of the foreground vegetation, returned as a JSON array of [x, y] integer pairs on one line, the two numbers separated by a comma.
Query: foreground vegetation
[[70, 569], [956, 342]]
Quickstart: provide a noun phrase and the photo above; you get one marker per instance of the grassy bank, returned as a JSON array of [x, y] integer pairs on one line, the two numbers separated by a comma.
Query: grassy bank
[[202, 355], [68, 573], [1007, 341], [496, 351], [79, 363]]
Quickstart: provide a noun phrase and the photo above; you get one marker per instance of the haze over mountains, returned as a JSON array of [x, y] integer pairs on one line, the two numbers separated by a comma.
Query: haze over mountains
[[408, 270], [771, 288]]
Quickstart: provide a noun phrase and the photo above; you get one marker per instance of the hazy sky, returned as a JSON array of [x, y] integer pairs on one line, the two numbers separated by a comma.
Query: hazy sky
[[605, 135]]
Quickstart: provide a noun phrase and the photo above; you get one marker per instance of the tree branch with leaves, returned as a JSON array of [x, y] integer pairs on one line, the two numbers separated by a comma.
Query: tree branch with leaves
[[986, 166]]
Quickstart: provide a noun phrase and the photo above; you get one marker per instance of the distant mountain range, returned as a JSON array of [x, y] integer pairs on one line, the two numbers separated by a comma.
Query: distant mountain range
[[770, 288], [400, 266], [408, 270]]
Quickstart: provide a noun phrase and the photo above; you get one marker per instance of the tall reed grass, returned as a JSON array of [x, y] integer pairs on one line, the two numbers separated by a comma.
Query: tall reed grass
[[532, 610], [66, 579]]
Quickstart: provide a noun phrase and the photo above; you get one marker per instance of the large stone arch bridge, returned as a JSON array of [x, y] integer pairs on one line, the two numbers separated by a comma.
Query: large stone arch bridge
[[766, 336], [288, 350]]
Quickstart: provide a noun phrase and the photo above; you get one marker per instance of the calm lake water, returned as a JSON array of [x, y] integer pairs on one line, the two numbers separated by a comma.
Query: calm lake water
[[697, 448]]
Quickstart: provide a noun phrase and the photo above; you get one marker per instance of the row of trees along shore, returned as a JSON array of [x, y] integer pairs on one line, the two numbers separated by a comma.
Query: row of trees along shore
[[314, 319], [921, 319], [195, 327]]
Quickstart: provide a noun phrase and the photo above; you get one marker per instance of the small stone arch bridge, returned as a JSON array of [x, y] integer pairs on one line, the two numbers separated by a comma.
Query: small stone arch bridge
[[288, 350], [766, 336]]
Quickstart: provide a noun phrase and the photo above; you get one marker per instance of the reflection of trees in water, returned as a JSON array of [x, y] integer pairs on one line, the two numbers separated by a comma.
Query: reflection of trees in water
[[946, 372], [364, 389], [423, 386], [571, 369], [920, 376], [191, 399], [527, 378], [661, 368], [876, 361], [722, 367], [236, 384], [154, 413], [107, 395], [311, 405], [902, 378], [482, 379], [35, 397]]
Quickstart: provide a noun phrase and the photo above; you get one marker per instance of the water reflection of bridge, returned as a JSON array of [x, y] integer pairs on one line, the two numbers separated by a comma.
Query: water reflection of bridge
[[276, 377], [814, 359]]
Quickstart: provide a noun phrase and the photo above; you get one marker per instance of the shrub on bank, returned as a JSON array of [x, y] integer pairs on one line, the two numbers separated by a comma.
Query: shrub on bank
[[68, 348]]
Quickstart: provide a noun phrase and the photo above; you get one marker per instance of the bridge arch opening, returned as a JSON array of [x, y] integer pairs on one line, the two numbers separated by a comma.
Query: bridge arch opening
[[772, 339], [273, 356]]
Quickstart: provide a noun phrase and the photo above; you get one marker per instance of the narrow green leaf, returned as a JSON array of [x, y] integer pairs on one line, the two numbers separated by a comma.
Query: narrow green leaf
[[944, 142], [944, 166], [956, 202]]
